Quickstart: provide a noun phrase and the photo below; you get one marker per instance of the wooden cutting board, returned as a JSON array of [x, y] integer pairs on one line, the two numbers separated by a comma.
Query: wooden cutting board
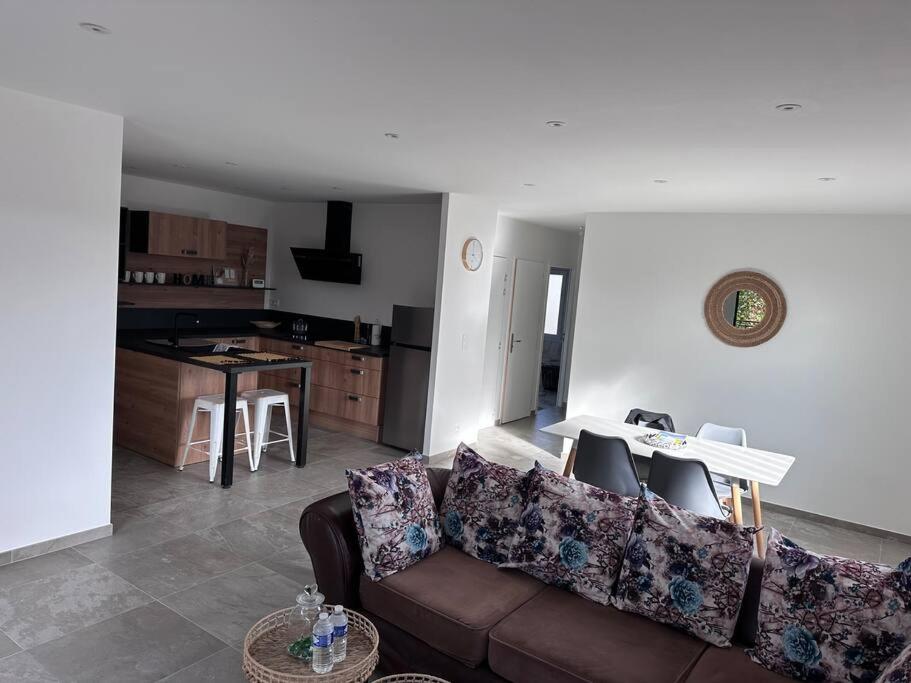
[[341, 345], [221, 360], [266, 356]]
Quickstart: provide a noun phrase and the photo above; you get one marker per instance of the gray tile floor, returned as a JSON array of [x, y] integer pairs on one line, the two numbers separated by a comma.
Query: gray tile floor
[[190, 567]]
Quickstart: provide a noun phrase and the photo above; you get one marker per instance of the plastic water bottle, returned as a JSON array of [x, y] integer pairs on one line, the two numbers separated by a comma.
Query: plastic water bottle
[[321, 661], [339, 634]]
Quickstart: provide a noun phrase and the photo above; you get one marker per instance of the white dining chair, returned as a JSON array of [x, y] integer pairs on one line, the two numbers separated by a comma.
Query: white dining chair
[[736, 436]]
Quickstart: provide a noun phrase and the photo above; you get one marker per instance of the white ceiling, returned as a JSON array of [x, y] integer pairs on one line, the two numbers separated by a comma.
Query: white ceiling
[[300, 93]]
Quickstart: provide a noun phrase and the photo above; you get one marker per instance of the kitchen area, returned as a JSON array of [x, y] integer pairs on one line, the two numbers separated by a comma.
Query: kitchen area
[[193, 328]]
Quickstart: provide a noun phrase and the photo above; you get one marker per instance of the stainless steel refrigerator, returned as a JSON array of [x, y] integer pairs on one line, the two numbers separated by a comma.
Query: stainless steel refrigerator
[[408, 377]]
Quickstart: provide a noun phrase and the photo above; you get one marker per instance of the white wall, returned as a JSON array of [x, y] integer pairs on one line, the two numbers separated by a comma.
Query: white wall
[[460, 324], [59, 215], [522, 239], [830, 388], [399, 243], [148, 194]]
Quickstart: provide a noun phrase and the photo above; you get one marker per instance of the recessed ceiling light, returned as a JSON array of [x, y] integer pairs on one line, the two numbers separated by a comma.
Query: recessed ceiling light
[[94, 28], [789, 106], [827, 179], [336, 188], [555, 124], [179, 165], [661, 181], [231, 163], [392, 136], [528, 184]]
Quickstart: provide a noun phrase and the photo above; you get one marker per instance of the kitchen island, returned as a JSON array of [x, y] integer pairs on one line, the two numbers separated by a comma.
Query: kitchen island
[[153, 377]]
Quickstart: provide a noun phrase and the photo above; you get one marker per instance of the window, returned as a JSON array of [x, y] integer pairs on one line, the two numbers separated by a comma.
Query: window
[[554, 300]]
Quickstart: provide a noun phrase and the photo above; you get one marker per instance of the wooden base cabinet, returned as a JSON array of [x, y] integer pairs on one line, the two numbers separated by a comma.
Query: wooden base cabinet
[[153, 402], [346, 392]]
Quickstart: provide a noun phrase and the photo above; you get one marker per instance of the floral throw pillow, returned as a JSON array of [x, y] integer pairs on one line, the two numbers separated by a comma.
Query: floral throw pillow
[[481, 507], [899, 671], [571, 534], [827, 618], [395, 516], [685, 570]]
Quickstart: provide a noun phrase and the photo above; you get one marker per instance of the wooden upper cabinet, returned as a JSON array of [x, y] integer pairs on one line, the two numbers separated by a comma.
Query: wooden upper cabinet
[[171, 235], [166, 234], [212, 239]]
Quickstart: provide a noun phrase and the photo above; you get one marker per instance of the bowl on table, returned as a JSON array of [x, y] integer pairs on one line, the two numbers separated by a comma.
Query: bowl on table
[[265, 324]]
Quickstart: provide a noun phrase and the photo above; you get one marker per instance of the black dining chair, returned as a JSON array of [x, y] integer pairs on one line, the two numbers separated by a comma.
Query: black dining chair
[[606, 462], [646, 418], [649, 420], [686, 484]]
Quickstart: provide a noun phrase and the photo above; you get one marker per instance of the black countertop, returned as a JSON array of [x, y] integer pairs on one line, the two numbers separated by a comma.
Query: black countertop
[[196, 356], [136, 340]]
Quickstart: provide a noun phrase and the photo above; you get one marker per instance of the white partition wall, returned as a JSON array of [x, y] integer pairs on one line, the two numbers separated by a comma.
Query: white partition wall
[[59, 216], [830, 389], [460, 325]]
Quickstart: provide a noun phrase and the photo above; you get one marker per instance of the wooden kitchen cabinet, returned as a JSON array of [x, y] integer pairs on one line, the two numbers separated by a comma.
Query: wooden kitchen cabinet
[[346, 388], [153, 402], [166, 234]]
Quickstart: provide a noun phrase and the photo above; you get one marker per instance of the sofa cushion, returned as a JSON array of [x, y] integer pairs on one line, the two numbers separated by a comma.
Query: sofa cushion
[[685, 570], [572, 534], [450, 601], [557, 636], [394, 514], [482, 505], [899, 671], [723, 665], [830, 618]]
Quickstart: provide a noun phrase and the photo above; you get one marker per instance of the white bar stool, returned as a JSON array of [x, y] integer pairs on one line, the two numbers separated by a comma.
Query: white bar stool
[[214, 404], [263, 400]]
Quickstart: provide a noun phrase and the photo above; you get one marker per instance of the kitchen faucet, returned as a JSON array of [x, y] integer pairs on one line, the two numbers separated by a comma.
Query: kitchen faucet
[[175, 340]]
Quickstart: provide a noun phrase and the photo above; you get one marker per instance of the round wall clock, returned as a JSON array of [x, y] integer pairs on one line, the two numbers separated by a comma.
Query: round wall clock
[[472, 253]]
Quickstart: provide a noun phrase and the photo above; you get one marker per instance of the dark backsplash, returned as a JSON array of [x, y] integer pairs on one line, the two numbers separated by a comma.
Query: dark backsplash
[[215, 318]]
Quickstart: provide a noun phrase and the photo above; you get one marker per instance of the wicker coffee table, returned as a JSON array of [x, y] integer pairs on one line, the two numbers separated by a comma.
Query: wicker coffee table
[[410, 678], [266, 658]]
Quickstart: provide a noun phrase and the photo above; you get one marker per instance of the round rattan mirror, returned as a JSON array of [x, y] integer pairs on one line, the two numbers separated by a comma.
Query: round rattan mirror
[[745, 308]]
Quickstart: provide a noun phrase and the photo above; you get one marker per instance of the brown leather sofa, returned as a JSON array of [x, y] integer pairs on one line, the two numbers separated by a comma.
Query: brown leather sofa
[[465, 620]]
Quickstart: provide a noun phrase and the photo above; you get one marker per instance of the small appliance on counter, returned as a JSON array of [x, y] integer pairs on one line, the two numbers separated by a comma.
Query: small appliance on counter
[[408, 378]]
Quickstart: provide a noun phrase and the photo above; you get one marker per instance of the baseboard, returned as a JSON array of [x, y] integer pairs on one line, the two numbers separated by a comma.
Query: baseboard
[[832, 521], [44, 547]]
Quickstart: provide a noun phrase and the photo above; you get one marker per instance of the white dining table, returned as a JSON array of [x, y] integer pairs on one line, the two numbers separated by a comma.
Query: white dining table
[[737, 462]]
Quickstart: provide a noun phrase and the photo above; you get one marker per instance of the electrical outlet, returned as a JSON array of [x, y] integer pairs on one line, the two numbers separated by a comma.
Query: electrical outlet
[[464, 342], [274, 302]]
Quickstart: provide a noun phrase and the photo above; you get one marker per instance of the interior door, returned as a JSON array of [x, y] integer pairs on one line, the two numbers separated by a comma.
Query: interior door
[[523, 359], [497, 334]]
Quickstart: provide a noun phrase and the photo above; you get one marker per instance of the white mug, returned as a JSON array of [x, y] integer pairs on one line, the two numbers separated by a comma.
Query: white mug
[[126, 276], [150, 277], [137, 276], [159, 278]]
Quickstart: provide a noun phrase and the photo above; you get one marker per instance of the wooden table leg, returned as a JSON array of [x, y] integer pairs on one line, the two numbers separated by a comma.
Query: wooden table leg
[[570, 461], [757, 518], [735, 501]]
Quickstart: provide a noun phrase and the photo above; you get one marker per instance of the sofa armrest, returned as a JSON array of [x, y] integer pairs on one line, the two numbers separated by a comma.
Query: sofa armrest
[[328, 532]]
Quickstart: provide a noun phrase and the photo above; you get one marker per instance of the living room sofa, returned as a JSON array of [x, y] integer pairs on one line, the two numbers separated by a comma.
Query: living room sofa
[[463, 619]]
